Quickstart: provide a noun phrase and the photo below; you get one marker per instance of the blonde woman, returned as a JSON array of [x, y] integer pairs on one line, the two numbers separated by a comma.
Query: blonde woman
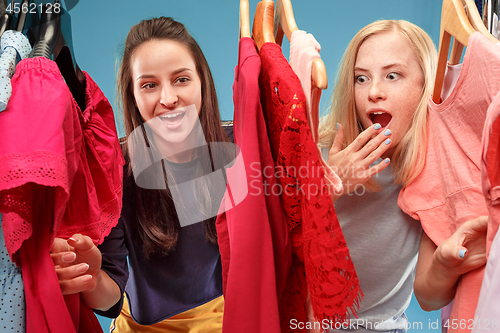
[[374, 137]]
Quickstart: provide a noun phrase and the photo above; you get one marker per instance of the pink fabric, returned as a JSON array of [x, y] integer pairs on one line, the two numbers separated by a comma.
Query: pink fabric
[[76, 151], [253, 234], [60, 173], [448, 191], [488, 306], [490, 167], [303, 50], [450, 79]]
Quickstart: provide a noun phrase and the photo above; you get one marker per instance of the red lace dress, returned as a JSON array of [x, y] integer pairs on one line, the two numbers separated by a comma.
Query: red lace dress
[[60, 173], [321, 260]]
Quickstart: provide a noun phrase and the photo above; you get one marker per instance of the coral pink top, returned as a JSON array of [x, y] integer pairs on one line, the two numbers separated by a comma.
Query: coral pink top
[[448, 191]]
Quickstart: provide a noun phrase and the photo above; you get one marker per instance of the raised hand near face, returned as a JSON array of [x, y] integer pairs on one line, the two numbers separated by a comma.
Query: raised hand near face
[[352, 164]]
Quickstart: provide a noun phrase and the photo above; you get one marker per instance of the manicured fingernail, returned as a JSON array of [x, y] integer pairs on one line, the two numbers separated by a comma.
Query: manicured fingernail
[[82, 268], [387, 141], [377, 126], [461, 253], [387, 132], [69, 257], [386, 160], [337, 126], [73, 239], [86, 278]]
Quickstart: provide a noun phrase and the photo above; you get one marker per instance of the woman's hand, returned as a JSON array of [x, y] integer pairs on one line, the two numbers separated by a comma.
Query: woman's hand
[[465, 250], [352, 164], [439, 268], [77, 262]]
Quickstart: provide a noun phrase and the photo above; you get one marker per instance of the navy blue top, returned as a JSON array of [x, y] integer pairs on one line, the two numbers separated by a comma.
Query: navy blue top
[[161, 286]]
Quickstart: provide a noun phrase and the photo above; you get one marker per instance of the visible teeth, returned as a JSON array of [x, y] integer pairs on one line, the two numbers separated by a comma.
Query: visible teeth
[[378, 112], [171, 115]]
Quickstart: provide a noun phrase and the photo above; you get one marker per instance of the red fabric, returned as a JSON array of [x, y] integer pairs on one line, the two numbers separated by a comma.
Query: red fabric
[[493, 154], [329, 271], [492, 165], [252, 233], [48, 145], [488, 305]]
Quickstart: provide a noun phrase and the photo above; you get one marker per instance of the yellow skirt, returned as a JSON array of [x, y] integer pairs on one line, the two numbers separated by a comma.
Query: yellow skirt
[[206, 318]]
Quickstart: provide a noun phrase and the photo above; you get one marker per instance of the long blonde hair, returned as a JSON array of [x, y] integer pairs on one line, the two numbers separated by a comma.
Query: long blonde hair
[[409, 157]]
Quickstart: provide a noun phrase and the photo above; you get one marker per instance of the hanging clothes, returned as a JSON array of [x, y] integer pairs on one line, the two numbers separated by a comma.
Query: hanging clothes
[[60, 173], [450, 79], [303, 50], [253, 234], [321, 261], [488, 306], [15, 47], [490, 169], [448, 193], [13, 314]]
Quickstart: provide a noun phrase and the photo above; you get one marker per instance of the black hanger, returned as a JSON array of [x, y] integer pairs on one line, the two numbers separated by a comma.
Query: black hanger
[[5, 22], [28, 20], [54, 32]]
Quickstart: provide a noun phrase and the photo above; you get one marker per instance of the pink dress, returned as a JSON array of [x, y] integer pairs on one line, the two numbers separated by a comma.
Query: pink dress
[[60, 173]]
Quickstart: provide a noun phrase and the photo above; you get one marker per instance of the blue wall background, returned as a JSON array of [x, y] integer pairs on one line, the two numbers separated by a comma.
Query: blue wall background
[[99, 29]]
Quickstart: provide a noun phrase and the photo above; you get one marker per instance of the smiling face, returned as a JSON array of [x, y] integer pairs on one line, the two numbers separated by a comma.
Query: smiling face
[[388, 84], [167, 91]]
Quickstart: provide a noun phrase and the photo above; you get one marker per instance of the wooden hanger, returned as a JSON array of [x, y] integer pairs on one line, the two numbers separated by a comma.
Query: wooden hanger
[[454, 22], [263, 29], [478, 25], [244, 19], [476, 21], [284, 22]]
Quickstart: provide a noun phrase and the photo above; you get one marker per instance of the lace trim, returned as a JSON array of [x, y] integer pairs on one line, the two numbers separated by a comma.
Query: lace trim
[[321, 257], [17, 171], [97, 231], [43, 168]]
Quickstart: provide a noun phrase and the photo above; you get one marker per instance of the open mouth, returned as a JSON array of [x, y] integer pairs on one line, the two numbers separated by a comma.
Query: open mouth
[[383, 118], [173, 118]]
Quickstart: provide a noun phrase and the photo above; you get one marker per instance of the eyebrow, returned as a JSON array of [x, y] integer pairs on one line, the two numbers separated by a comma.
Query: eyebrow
[[148, 76], [396, 64]]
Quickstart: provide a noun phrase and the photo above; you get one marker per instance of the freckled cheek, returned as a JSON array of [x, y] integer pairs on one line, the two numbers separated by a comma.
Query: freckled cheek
[[358, 103]]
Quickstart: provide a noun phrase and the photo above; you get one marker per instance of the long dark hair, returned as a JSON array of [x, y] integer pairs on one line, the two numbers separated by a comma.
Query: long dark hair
[[157, 222]]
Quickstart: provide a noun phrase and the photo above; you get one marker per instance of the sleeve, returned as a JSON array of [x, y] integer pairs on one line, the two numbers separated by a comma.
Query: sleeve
[[114, 262]]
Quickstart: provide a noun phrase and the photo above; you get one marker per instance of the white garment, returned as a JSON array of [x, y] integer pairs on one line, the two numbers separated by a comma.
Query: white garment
[[15, 47]]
